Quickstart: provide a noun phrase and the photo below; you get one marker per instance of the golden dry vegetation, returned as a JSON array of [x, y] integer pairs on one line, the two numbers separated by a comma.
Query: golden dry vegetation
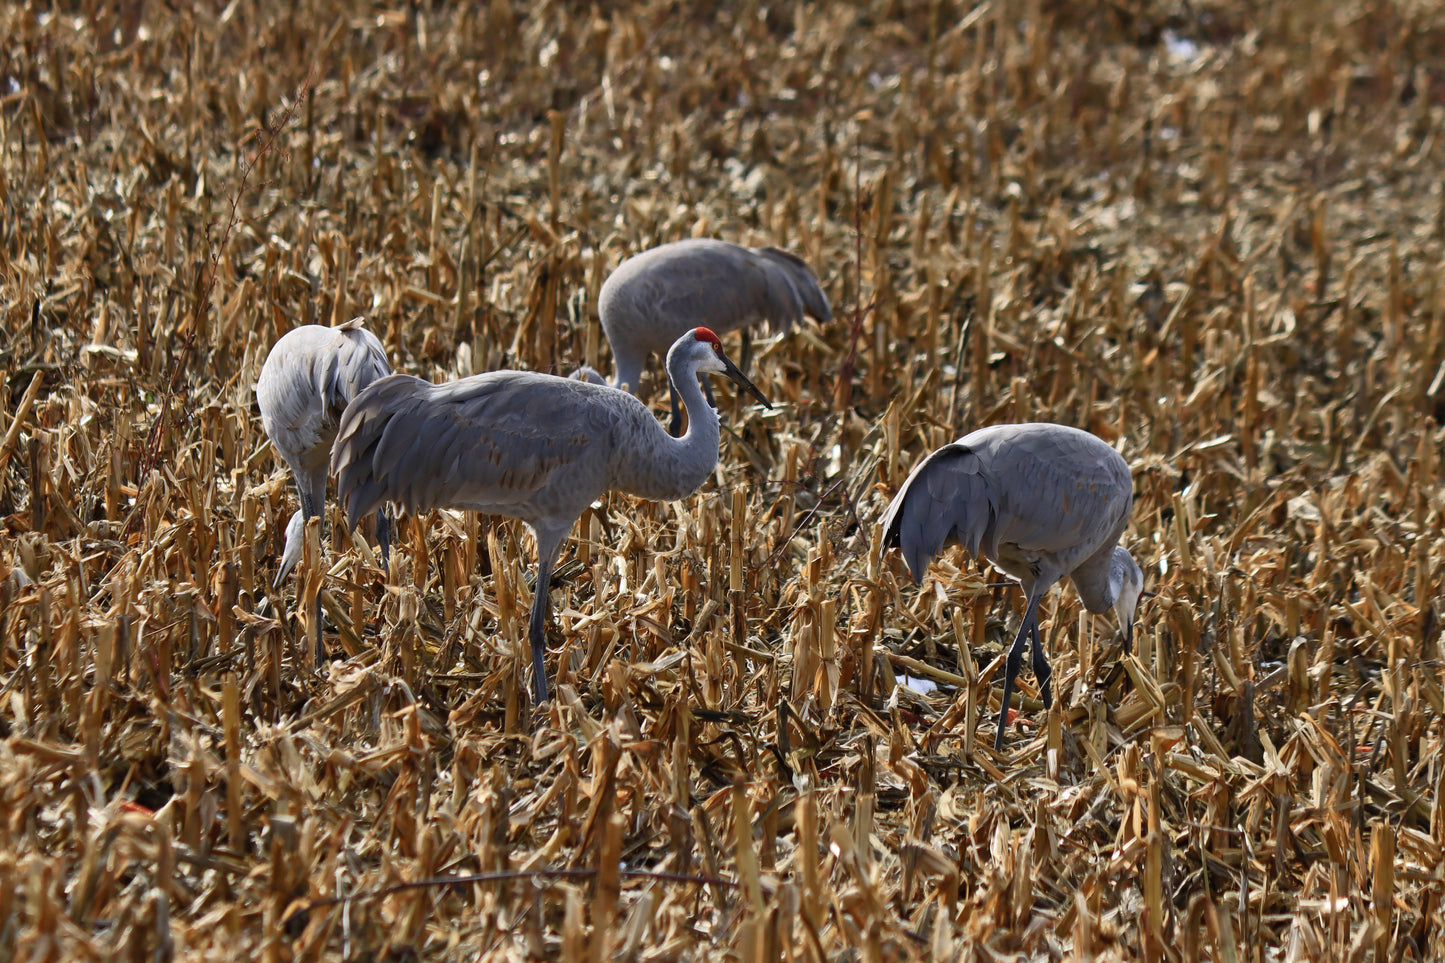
[[1208, 231]]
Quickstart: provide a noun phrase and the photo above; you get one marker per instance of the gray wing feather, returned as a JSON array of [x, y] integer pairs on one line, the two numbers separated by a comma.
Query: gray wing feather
[[308, 378], [946, 500], [359, 359], [802, 280], [653, 298]]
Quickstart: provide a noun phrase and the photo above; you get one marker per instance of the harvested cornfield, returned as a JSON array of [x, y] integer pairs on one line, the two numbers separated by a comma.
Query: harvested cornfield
[[1210, 232]]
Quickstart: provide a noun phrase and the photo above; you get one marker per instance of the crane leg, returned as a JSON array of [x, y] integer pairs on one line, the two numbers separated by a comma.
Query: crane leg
[[1013, 664], [745, 351], [1042, 671], [537, 631], [548, 544], [316, 632], [383, 538]]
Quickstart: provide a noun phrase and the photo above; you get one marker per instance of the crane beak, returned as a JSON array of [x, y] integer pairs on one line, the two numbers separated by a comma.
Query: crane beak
[[741, 380]]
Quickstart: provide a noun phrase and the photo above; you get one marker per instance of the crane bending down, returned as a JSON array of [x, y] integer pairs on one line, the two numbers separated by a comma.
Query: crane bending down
[[1041, 502], [309, 377], [530, 446], [653, 298]]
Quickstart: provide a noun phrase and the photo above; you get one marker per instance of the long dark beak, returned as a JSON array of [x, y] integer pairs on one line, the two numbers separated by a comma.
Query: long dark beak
[[740, 379]]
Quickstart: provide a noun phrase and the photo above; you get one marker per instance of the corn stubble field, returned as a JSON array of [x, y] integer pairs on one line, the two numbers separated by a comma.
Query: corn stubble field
[[1208, 232]]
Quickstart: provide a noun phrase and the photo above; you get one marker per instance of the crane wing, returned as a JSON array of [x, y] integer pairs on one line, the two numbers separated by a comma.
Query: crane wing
[[946, 500], [308, 379], [724, 290], [290, 409], [716, 284], [491, 443], [801, 279]]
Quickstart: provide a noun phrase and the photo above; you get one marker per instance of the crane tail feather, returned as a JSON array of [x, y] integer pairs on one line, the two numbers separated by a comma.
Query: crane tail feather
[[371, 440], [803, 281]]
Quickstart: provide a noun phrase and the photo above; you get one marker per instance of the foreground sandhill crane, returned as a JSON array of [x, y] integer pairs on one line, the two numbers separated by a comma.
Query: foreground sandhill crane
[[308, 379], [653, 298], [526, 445], [1041, 502]]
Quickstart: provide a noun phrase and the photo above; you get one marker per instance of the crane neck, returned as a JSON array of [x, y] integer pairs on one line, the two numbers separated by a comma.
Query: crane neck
[[658, 466], [1100, 579], [701, 416], [651, 463], [627, 370]]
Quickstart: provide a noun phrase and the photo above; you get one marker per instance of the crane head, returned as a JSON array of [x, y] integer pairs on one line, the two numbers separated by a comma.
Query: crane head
[[717, 361], [295, 541], [1126, 580]]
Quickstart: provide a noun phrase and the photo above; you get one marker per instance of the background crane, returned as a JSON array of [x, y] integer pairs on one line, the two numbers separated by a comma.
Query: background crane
[[653, 298], [526, 445], [1039, 501], [309, 377]]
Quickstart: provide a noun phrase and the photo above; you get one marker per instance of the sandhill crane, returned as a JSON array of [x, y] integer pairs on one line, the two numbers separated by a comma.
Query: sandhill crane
[[309, 377], [526, 445], [654, 297], [1041, 502]]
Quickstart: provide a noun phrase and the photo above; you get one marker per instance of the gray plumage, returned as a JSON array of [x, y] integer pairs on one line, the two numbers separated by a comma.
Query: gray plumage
[[530, 446], [311, 374], [655, 297], [1041, 502]]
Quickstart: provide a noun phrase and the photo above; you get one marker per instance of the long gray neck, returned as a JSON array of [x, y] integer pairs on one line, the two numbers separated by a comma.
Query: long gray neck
[[1099, 579], [666, 468]]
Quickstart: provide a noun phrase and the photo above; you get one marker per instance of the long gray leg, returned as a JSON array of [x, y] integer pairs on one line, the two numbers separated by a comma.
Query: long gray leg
[[383, 538], [1012, 666], [1042, 671], [549, 542], [746, 350]]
